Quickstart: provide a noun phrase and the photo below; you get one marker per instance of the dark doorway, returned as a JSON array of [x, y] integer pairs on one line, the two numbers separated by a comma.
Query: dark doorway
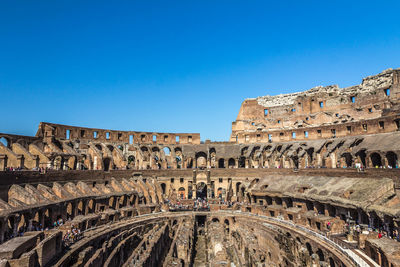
[[201, 191]]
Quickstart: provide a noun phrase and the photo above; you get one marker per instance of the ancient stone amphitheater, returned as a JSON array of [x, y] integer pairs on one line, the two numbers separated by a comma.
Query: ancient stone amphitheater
[[307, 179]]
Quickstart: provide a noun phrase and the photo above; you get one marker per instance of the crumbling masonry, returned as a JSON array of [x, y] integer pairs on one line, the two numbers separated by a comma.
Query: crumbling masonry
[[299, 172]]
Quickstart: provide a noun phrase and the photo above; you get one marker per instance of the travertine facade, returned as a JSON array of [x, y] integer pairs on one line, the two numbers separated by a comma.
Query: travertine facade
[[322, 112], [75, 196]]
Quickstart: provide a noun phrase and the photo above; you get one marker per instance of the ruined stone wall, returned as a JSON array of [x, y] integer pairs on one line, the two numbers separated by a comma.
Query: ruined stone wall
[[67, 132], [321, 112]]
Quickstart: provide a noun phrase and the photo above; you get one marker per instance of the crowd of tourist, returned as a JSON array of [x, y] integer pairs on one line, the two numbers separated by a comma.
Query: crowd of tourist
[[71, 236], [178, 206], [201, 204]]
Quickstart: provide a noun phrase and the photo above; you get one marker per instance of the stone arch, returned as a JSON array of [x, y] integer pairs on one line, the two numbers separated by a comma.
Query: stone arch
[[212, 155], [5, 141], [111, 202], [201, 159], [215, 219], [107, 164], [10, 227], [122, 201], [36, 219], [309, 249], [69, 209], [167, 151], [331, 262], [131, 161], [22, 225], [90, 207], [80, 208], [231, 163], [201, 191], [219, 192], [362, 156], [163, 188], [58, 162], [347, 159], [72, 161], [47, 218], [320, 254], [376, 160], [237, 189], [181, 192], [391, 159], [295, 160]]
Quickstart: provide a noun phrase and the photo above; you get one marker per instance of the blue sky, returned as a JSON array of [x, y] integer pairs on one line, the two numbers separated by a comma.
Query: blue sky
[[179, 66]]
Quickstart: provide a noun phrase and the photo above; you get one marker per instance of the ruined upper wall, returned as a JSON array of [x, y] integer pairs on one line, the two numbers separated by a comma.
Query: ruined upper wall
[[376, 97], [369, 85], [132, 137]]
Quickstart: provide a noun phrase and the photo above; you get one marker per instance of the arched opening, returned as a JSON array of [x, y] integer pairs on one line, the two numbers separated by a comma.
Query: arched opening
[[69, 210], [331, 210], [35, 221], [201, 191], [309, 249], [181, 192], [122, 201], [110, 147], [362, 155], [58, 163], [295, 161], [348, 159], [221, 163], [331, 262], [242, 162], [167, 151], [111, 202], [376, 160], [320, 255], [90, 206], [215, 220], [47, 218], [219, 193], [201, 160], [131, 161], [80, 208], [392, 159], [163, 188], [106, 163], [231, 163], [178, 157], [9, 232], [22, 226], [99, 147], [212, 154], [4, 141]]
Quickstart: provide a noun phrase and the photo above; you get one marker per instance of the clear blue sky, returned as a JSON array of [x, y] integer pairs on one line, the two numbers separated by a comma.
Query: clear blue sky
[[179, 66]]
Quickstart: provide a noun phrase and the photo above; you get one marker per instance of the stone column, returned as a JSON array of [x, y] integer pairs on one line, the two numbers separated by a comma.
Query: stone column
[[194, 185]]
